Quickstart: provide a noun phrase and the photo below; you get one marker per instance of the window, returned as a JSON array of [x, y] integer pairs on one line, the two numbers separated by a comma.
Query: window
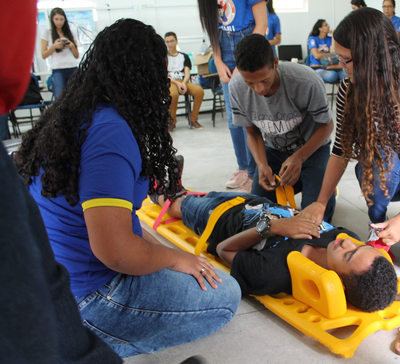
[[291, 5]]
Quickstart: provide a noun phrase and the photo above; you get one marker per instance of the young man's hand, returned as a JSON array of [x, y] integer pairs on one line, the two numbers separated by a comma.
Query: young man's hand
[[290, 171], [182, 88], [296, 227], [199, 267], [314, 212], [266, 177]]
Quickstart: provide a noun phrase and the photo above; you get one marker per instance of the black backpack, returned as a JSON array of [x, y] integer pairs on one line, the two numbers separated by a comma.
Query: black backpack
[[32, 95]]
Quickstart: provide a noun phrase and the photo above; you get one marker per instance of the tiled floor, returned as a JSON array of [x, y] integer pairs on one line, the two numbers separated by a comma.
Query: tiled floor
[[256, 335]]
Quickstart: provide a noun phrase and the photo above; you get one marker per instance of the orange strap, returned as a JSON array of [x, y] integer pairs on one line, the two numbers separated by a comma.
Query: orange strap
[[285, 195]]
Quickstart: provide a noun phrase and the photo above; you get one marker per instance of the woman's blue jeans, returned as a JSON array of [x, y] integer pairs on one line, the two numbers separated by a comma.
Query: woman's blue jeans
[[310, 180], [331, 75], [377, 211], [60, 78], [228, 42], [144, 314]]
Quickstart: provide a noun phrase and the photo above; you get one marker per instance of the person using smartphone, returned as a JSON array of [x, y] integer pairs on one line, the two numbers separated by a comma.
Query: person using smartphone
[[60, 45]]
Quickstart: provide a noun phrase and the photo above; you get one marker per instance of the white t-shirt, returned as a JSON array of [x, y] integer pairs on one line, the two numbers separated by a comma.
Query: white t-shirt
[[59, 60], [177, 64]]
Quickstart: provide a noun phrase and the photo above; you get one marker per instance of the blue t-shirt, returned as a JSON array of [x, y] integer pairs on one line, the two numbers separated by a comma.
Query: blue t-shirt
[[322, 45], [110, 169], [396, 22], [235, 15], [274, 27]]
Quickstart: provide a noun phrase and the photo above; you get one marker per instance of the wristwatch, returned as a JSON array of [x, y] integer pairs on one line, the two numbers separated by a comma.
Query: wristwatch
[[263, 226]]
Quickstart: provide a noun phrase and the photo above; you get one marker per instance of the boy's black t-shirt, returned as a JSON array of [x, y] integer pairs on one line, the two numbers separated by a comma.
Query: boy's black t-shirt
[[266, 271]]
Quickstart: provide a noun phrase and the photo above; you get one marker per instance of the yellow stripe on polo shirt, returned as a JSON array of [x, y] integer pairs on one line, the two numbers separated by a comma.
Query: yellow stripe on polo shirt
[[114, 202]]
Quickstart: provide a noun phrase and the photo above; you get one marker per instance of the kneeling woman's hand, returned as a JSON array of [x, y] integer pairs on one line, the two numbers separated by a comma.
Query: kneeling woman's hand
[[199, 267]]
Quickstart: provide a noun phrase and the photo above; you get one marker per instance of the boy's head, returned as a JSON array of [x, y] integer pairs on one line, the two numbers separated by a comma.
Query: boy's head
[[256, 63], [171, 40], [253, 53], [369, 279]]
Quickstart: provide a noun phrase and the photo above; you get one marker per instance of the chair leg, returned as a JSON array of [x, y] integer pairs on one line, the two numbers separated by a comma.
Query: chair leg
[[30, 111], [333, 93], [213, 109], [188, 106], [16, 130], [222, 105]]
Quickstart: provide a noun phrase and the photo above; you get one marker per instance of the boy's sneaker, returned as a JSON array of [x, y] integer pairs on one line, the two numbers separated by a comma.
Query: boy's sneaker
[[246, 186], [237, 179]]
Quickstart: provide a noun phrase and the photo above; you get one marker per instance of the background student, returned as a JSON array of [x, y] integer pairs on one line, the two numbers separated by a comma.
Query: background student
[[179, 67], [226, 23], [389, 9], [357, 4], [274, 27], [59, 44], [320, 46]]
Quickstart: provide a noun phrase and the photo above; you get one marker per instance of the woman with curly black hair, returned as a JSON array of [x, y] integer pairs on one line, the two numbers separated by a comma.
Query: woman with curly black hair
[[89, 163], [367, 117]]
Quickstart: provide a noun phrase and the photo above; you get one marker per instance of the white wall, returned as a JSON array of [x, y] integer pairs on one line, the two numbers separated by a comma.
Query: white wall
[[182, 17]]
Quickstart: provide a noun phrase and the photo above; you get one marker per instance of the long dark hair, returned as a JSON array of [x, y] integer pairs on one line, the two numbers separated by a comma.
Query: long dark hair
[[208, 10], [315, 29], [125, 66], [358, 3], [65, 28], [371, 115], [270, 7]]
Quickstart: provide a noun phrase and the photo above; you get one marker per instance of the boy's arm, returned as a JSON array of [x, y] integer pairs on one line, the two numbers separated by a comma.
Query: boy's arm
[[295, 227]]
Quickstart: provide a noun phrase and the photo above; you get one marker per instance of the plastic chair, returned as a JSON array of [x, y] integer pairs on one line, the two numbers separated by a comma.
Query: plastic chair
[[15, 121], [216, 90], [332, 93]]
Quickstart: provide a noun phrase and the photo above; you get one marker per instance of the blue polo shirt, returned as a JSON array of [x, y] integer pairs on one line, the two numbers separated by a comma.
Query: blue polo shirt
[[109, 175]]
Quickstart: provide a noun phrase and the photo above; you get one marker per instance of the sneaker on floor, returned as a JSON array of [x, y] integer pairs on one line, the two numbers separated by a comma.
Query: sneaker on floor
[[246, 186], [237, 179], [197, 126]]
